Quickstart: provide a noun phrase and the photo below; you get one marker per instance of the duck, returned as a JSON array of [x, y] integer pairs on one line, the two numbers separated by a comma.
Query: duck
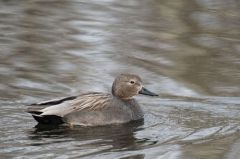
[[95, 108]]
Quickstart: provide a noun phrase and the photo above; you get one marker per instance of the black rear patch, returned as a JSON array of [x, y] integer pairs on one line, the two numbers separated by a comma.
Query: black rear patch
[[48, 119]]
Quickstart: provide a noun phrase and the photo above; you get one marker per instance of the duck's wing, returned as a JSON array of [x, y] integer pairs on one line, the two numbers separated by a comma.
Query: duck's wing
[[59, 108], [90, 101]]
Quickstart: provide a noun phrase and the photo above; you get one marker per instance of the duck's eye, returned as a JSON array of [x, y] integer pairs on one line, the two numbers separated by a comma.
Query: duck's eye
[[132, 82]]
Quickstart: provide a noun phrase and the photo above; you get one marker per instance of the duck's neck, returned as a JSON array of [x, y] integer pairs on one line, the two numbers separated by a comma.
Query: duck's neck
[[123, 99]]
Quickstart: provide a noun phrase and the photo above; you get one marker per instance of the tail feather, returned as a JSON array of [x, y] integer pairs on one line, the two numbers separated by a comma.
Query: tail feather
[[35, 109]]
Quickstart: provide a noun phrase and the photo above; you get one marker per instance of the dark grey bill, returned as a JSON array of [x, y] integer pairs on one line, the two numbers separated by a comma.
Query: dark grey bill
[[147, 92]]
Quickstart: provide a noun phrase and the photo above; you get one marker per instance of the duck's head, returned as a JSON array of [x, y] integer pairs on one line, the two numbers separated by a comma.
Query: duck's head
[[125, 86]]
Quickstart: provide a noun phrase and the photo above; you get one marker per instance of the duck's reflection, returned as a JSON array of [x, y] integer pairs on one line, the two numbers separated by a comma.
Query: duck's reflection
[[117, 137]]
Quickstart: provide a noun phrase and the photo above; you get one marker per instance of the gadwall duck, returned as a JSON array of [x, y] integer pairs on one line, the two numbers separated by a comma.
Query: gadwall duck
[[94, 108]]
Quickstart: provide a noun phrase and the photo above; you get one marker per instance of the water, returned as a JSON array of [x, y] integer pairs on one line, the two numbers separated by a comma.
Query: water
[[187, 51]]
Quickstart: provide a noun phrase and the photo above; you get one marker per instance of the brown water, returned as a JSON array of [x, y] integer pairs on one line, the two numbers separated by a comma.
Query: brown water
[[187, 51]]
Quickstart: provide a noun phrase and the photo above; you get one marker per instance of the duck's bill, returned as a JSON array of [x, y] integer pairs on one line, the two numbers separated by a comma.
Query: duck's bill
[[144, 91]]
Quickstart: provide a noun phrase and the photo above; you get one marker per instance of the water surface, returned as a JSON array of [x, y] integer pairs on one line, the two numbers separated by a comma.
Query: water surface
[[186, 51]]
